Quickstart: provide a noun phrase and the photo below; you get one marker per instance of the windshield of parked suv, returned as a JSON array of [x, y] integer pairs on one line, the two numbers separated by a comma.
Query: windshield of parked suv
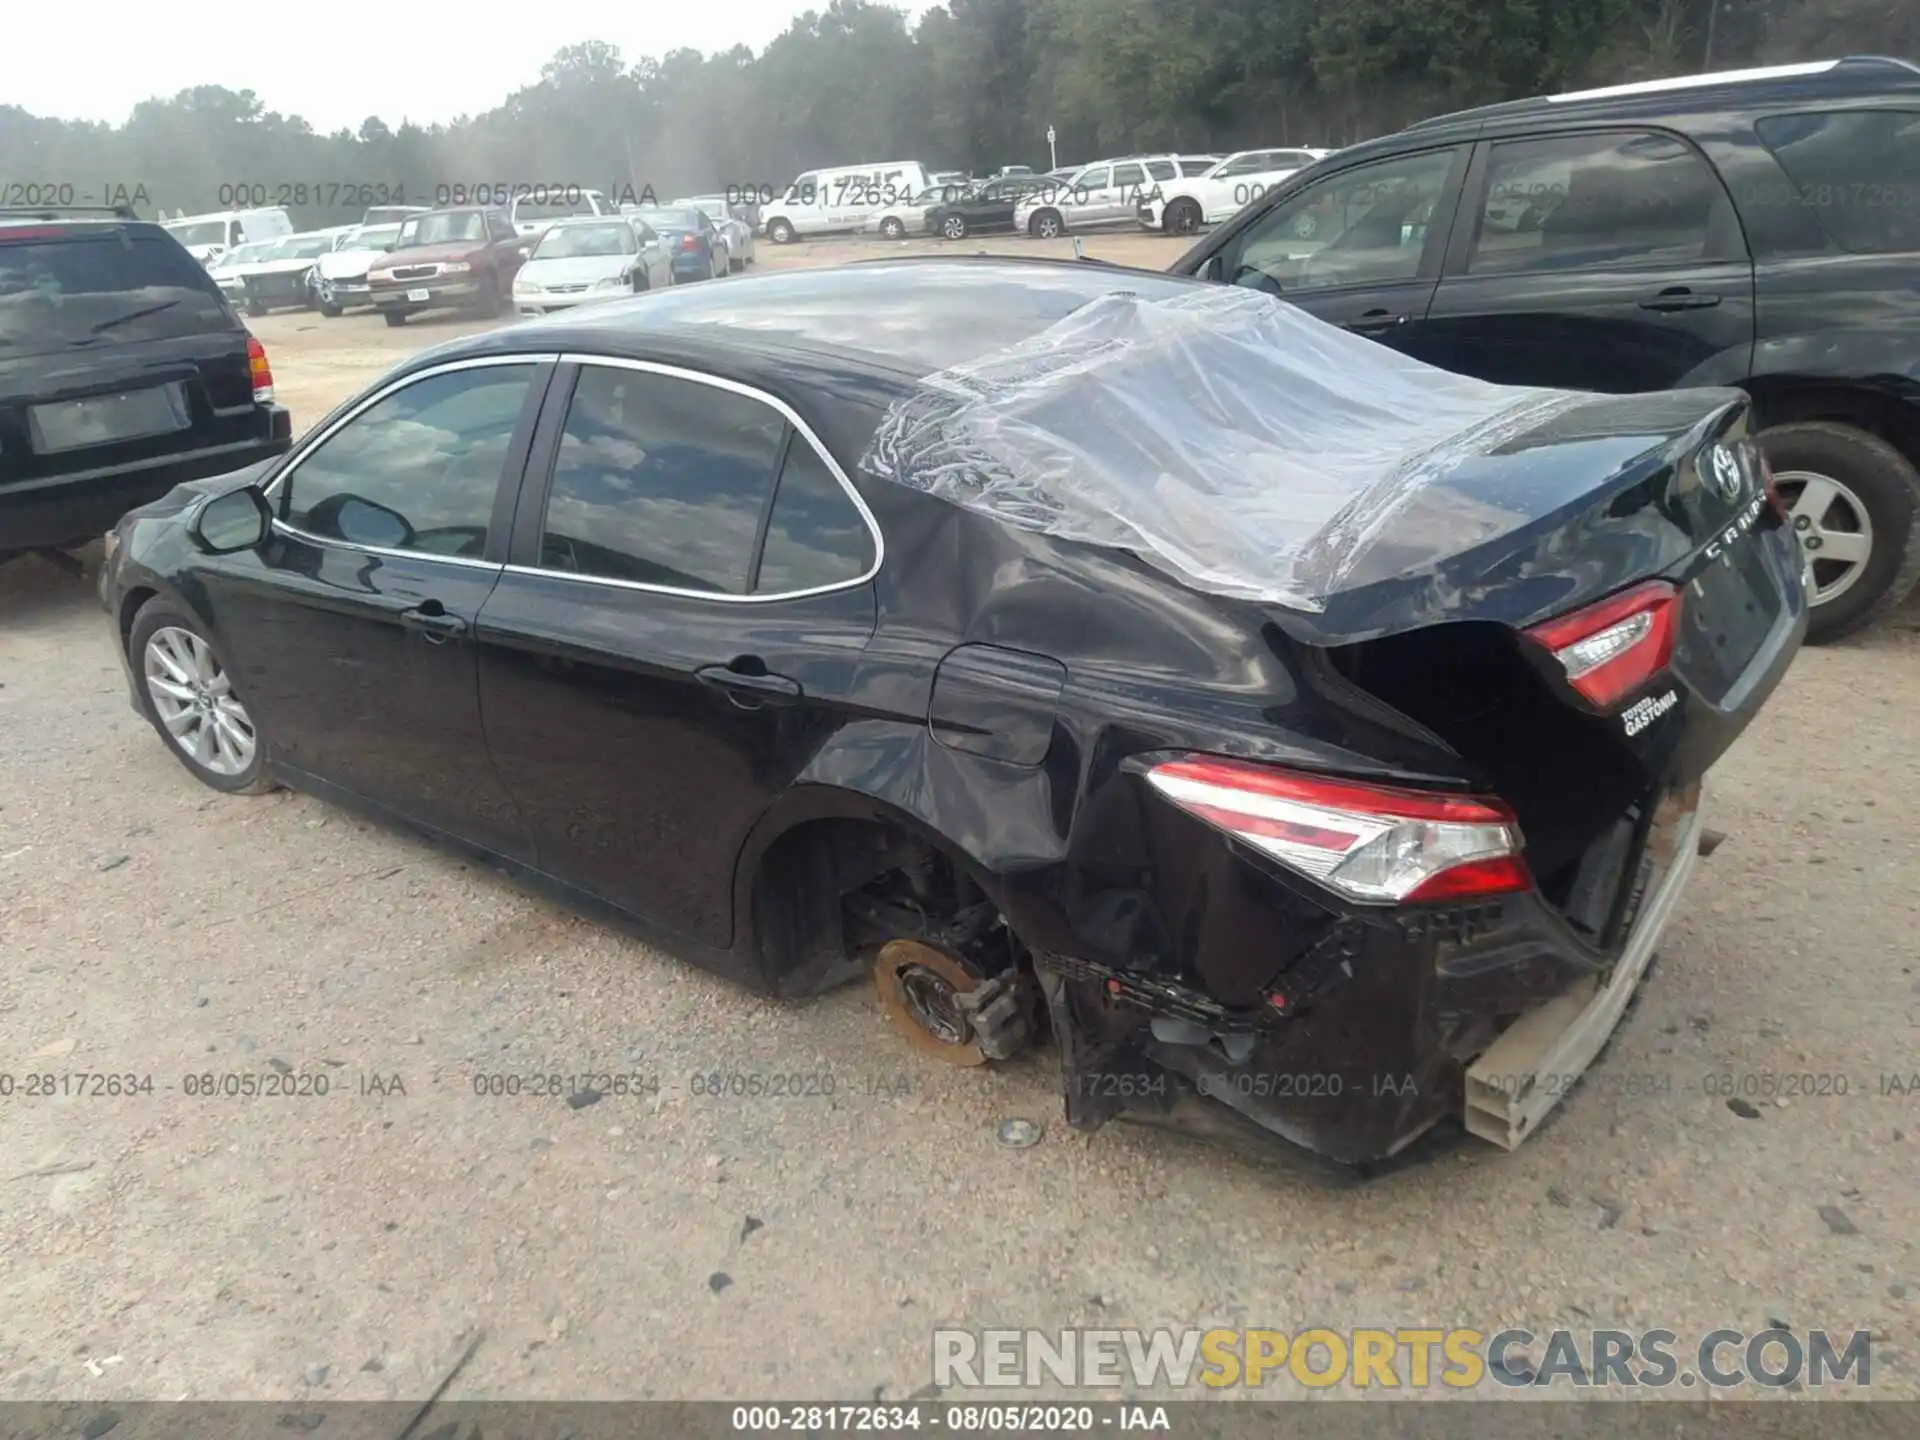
[[567, 242], [374, 237], [57, 294], [443, 227], [204, 232]]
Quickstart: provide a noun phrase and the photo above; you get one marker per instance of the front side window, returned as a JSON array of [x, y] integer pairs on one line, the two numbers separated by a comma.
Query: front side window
[[1241, 165], [1092, 180], [1363, 226], [660, 481], [1582, 202], [1162, 169], [418, 470], [815, 536], [1858, 170]]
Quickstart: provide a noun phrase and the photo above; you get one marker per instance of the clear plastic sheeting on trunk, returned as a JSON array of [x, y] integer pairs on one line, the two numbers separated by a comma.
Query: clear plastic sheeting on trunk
[[1224, 436]]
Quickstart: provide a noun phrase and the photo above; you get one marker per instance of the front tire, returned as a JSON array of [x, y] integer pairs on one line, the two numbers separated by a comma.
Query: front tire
[[395, 317], [1047, 225], [1183, 217], [188, 696], [954, 227], [1852, 499], [892, 229], [332, 312], [780, 232]]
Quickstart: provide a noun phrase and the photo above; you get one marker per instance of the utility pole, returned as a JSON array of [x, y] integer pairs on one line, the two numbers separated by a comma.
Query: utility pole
[[1713, 14], [1053, 160]]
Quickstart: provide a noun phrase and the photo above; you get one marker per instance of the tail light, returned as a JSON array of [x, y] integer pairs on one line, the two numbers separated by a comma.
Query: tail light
[[1369, 842], [689, 242], [1611, 649], [262, 371]]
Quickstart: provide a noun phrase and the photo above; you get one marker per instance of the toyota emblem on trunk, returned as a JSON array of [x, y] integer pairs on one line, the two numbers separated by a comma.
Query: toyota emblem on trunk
[[1724, 471]]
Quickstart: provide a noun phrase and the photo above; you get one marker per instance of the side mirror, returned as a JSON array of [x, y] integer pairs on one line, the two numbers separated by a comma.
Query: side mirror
[[227, 524], [1215, 269]]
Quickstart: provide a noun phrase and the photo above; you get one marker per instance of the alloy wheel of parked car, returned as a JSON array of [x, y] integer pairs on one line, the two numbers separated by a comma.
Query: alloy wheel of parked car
[[892, 229], [954, 227], [1047, 225], [780, 232], [188, 696], [1183, 217], [1852, 499], [1834, 529]]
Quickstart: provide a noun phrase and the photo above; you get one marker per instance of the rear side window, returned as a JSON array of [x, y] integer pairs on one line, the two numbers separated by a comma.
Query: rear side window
[[815, 536], [1591, 202], [1858, 170], [102, 289], [660, 481], [1162, 169]]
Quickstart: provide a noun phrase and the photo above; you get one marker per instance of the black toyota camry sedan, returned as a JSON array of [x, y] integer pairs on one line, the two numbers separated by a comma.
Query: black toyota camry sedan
[[1305, 742]]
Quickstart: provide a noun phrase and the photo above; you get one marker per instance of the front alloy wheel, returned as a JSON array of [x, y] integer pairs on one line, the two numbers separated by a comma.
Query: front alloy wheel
[[189, 696]]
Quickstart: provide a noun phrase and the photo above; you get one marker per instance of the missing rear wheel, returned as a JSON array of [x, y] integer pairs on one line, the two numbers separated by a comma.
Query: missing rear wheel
[[919, 988]]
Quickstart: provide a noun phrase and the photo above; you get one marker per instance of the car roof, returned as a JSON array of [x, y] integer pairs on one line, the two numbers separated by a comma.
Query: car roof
[[891, 321], [1713, 91]]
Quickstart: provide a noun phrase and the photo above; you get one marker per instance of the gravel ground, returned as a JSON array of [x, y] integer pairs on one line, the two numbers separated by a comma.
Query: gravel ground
[[162, 1245]]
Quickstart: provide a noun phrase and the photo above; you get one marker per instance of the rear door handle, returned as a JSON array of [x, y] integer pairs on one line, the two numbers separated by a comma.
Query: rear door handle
[[1678, 297], [749, 691], [1371, 322], [432, 623]]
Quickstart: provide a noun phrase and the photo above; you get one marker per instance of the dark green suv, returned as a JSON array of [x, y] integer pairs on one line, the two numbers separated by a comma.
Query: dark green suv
[[1757, 228]]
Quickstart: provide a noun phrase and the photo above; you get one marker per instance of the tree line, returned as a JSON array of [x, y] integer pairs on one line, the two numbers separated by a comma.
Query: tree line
[[973, 84]]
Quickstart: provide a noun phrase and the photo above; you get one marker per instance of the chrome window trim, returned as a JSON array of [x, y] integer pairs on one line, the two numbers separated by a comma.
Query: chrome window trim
[[801, 428], [341, 421]]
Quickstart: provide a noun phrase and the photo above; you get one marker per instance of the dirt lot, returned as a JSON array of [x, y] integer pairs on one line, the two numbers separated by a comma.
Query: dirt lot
[[168, 1245]]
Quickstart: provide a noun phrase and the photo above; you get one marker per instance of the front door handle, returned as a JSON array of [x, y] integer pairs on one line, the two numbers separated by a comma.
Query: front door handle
[[748, 690], [1372, 322], [1678, 297], [432, 623]]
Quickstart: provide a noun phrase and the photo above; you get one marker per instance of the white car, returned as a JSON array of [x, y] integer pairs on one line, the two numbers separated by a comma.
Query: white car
[[229, 268], [735, 232], [588, 260], [278, 278], [1101, 195], [1185, 205], [908, 215], [340, 279], [540, 207]]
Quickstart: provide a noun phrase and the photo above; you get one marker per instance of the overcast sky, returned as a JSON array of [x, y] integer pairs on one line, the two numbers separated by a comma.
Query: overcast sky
[[368, 64]]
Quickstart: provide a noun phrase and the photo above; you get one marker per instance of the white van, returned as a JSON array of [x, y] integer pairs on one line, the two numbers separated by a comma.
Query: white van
[[844, 197], [207, 237]]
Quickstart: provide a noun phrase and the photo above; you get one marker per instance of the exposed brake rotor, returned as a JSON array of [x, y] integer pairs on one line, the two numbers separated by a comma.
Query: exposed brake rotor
[[919, 985]]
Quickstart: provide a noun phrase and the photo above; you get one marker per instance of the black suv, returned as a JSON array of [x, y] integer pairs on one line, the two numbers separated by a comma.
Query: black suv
[[123, 371], [1756, 228]]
